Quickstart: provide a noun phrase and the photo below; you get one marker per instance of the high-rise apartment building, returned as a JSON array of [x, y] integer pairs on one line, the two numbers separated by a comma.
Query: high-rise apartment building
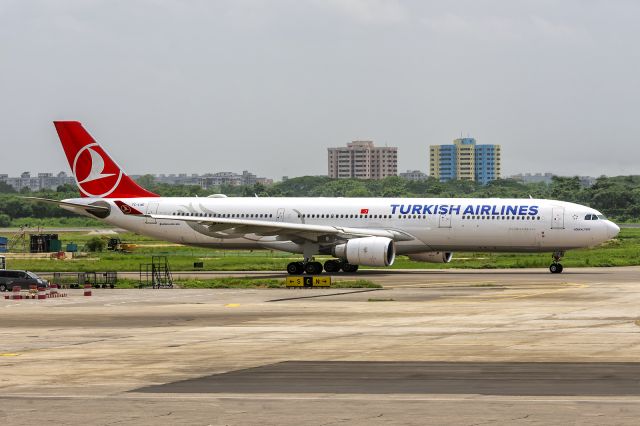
[[362, 160], [465, 160]]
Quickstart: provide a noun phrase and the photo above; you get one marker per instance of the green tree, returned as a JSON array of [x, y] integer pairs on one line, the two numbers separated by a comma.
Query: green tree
[[5, 220], [95, 244], [6, 188]]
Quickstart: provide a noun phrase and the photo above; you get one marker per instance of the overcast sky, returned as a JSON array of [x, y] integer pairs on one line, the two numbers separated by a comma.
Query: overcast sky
[[171, 86]]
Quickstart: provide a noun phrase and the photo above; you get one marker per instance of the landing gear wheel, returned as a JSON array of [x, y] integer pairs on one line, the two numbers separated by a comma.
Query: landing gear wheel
[[332, 266], [347, 267], [295, 268], [313, 268], [555, 268]]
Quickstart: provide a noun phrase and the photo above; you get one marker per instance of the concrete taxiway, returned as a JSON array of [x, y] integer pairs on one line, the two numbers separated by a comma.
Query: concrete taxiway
[[432, 347]]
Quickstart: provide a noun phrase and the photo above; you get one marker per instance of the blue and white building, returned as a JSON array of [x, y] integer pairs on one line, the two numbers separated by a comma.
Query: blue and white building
[[465, 160]]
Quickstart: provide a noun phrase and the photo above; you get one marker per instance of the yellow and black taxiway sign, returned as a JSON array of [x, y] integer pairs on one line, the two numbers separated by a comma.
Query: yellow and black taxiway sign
[[308, 281]]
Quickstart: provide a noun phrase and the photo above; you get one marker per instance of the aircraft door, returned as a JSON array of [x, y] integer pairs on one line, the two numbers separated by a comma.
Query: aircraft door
[[444, 221], [280, 215], [152, 208], [557, 218]]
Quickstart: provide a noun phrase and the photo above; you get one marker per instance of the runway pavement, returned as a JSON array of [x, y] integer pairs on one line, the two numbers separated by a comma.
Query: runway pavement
[[432, 347]]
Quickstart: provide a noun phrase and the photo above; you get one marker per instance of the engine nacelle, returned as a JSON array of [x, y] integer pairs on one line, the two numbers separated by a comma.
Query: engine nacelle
[[432, 256], [367, 251]]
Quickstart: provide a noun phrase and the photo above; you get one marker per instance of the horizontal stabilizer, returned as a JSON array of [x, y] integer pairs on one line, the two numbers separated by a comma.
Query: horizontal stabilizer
[[68, 204]]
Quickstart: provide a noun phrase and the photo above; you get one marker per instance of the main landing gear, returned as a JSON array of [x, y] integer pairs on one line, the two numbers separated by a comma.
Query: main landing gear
[[556, 266], [313, 268]]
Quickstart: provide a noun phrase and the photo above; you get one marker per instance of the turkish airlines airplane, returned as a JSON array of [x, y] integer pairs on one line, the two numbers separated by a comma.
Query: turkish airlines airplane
[[355, 231]]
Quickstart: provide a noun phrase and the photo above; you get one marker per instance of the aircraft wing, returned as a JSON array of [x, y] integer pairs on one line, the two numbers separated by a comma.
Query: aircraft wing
[[292, 231]]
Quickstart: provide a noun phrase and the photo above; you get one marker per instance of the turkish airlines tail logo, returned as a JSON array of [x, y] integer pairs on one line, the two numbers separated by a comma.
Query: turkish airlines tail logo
[[97, 167], [97, 175]]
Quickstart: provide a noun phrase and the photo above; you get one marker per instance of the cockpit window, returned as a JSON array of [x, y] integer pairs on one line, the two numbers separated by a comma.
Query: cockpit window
[[602, 217], [593, 217]]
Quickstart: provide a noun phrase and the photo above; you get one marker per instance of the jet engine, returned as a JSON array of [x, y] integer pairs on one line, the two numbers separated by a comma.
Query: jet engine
[[432, 256], [367, 251]]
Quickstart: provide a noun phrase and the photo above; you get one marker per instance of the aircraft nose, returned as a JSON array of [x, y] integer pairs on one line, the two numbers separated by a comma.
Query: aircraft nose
[[612, 229]]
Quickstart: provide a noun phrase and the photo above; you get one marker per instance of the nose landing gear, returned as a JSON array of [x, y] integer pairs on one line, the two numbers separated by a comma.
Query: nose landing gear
[[556, 266]]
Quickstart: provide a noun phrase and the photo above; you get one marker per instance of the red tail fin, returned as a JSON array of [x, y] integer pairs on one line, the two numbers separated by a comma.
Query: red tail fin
[[96, 173]]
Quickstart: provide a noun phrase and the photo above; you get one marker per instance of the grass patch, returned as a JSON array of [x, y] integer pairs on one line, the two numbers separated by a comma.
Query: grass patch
[[246, 282], [376, 299], [355, 284], [58, 222]]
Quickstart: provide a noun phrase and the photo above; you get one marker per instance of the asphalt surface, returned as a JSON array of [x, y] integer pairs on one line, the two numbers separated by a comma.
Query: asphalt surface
[[377, 377], [432, 347]]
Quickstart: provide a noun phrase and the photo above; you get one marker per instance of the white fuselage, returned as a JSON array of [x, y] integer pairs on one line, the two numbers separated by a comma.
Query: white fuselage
[[436, 224]]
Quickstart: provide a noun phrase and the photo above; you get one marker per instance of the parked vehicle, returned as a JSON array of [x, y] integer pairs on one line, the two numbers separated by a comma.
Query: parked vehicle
[[10, 278]]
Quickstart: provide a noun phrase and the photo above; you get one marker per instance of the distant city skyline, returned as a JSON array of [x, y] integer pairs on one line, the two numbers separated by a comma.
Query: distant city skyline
[[49, 180]]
